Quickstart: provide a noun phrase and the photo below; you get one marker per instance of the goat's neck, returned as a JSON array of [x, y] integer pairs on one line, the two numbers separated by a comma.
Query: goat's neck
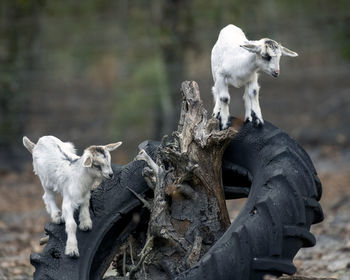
[[245, 69], [252, 63], [85, 177]]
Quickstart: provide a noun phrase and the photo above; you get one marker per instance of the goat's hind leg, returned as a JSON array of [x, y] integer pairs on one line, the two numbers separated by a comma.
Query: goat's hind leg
[[222, 101], [51, 206]]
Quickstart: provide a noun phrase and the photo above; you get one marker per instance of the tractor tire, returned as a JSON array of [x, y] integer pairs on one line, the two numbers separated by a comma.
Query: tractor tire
[[263, 164]]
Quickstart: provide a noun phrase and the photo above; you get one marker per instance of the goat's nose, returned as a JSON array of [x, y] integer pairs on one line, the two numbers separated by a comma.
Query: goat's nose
[[111, 175], [276, 73]]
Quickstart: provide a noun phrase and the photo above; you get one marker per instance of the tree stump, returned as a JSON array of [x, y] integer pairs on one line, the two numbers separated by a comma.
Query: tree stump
[[188, 212]]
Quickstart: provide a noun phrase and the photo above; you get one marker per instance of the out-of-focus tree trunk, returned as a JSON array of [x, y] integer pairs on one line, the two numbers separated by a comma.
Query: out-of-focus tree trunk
[[176, 27], [18, 31]]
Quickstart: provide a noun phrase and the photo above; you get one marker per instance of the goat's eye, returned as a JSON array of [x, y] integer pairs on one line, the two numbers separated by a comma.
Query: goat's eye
[[97, 166], [266, 57]]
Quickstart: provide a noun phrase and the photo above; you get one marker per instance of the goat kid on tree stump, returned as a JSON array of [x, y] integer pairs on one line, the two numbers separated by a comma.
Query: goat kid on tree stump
[[236, 61]]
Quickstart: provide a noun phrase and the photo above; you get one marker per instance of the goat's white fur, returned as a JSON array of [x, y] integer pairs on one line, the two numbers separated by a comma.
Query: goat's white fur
[[236, 61], [62, 171]]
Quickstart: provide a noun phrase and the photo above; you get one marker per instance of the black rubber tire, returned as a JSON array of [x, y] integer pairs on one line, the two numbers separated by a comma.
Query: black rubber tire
[[275, 221], [264, 164]]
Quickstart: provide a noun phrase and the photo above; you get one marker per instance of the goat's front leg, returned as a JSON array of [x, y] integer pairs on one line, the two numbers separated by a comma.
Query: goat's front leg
[[247, 105], [85, 222], [71, 227], [251, 101], [256, 111], [222, 101]]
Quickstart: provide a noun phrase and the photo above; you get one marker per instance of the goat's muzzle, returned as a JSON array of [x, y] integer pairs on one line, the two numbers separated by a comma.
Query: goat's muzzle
[[275, 73]]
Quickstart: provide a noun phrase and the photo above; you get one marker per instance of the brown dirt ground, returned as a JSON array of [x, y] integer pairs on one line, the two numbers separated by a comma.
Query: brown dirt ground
[[22, 218]]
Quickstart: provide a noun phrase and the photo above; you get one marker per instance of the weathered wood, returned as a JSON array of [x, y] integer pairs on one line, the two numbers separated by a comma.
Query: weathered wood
[[188, 212]]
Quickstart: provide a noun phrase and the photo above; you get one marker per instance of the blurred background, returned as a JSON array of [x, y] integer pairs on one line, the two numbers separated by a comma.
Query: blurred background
[[99, 71]]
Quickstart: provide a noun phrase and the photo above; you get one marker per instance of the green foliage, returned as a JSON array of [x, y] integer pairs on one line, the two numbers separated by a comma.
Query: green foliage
[[135, 96]]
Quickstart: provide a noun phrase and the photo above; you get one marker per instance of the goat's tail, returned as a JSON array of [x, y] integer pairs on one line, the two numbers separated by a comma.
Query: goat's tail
[[28, 144]]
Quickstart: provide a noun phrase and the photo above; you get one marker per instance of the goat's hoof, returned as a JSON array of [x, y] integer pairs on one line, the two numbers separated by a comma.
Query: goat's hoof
[[225, 125], [72, 252], [257, 121], [216, 115], [248, 118], [58, 219], [85, 226]]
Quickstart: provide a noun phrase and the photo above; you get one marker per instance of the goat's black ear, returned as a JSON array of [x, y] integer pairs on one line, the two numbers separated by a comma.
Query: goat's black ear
[[87, 162], [113, 146]]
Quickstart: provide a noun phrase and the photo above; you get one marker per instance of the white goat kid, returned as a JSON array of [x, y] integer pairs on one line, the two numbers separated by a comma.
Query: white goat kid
[[236, 61], [61, 170]]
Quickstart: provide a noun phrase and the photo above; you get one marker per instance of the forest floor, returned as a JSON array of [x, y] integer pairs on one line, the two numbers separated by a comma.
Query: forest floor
[[23, 216]]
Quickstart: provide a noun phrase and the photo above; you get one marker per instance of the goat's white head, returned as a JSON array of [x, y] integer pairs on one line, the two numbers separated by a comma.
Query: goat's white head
[[269, 53], [98, 160]]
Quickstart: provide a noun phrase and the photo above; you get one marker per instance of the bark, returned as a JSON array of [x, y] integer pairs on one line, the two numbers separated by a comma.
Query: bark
[[188, 213]]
